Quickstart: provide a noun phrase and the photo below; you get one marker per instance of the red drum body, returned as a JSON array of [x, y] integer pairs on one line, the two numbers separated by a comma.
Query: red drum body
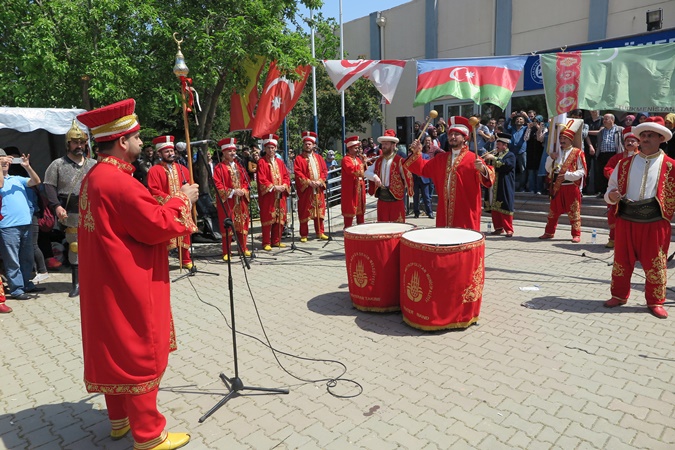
[[442, 276], [372, 256]]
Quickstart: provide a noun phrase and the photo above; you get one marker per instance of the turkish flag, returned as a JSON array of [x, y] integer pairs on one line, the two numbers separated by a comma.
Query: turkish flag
[[279, 96]]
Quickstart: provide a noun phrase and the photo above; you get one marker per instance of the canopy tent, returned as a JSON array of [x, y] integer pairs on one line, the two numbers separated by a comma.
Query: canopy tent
[[39, 132]]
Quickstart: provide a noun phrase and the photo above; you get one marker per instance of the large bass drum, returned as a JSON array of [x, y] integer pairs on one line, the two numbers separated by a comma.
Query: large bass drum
[[372, 257], [442, 275]]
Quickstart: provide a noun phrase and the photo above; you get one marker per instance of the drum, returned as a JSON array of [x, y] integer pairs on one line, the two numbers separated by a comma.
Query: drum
[[372, 257], [442, 275]]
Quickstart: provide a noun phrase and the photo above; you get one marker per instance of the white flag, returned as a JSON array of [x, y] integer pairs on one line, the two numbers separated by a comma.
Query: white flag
[[384, 74]]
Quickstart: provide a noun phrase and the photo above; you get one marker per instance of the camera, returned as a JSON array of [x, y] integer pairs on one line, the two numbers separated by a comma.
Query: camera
[[16, 160]]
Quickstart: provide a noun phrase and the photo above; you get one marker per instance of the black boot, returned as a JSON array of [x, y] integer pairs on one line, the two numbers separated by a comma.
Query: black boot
[[75, 281]]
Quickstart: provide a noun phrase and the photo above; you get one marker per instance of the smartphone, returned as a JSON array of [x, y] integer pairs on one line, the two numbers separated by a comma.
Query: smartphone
[[16, 160]]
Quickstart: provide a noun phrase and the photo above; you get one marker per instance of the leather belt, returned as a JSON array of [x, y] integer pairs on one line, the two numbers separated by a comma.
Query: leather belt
[[641, 211], [384, 195]]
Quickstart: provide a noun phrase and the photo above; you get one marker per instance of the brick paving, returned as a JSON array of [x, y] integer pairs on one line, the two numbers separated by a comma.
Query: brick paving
[[547, 368]]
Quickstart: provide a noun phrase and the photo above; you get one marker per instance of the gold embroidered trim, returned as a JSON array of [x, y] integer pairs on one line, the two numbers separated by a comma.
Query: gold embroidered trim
[[121, 165], [443, 249], [441, 327], [117, 389], [474, 291]]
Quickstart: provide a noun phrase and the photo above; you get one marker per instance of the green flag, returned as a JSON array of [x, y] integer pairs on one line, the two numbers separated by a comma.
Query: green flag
[[628, 79]]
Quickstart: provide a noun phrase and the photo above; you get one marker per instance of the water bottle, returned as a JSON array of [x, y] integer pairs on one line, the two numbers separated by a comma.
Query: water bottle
[[489, 228], [594, 236]]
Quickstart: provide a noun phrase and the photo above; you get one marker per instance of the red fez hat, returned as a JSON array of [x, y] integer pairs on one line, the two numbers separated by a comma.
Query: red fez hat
[[112, 121], [655, 124], [163, 142], [352, 141], [270, 139], [628, 132], [459, 124], [309, 136], [568, 133], [227, 143], [389, 136]]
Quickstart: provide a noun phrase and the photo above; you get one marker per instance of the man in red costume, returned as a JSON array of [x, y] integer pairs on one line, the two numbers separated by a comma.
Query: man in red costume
[[164, 181], [643, 188], [353, 188], [389, 180], [568, 166], [232, 185], [457, 174], [631, 145], [274, 185], [127, 328], [310, 183]]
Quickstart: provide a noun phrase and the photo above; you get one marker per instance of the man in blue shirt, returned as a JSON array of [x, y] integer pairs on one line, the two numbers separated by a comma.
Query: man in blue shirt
[[16, 247], [515, 126]]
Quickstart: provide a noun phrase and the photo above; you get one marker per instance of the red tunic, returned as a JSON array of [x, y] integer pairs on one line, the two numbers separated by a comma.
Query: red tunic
[[127, 329], [311, 201], [272, 203], [164, 184], [226, 178], [397, 183], [458, 186], [353, 189]]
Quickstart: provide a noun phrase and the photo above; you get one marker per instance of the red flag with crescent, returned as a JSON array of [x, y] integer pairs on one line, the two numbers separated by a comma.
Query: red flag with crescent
[[242, 104], [279, 96]]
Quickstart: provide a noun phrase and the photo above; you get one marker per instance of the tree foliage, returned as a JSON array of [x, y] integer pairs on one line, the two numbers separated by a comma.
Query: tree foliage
[[86, 53]]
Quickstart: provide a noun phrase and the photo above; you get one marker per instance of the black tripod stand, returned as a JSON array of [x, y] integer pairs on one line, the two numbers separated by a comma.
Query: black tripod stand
[[293, 247], [234, 384]]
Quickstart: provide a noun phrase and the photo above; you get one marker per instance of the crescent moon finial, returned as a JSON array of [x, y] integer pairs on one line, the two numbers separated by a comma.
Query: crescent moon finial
[[177, 41]]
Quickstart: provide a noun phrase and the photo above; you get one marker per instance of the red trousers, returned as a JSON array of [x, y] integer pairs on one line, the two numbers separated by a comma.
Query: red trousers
[[271, 234], [391, 211], [318, 227], [567, 200], [611, 221], [348, 220], [185, 252], [502, 221], [647, 243], [147, 424]]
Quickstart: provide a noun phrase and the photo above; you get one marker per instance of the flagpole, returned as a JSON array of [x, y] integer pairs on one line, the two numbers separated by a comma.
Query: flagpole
[[342, 94], [316, 119]]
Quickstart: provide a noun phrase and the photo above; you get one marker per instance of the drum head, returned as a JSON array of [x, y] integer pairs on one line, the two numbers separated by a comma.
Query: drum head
[[368, 229], [442, 236]]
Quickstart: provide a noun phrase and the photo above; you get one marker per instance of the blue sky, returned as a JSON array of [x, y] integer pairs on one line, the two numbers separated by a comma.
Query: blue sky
[[353, 9]]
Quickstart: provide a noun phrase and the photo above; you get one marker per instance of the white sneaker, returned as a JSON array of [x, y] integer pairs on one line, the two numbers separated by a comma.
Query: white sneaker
[[40, 277]]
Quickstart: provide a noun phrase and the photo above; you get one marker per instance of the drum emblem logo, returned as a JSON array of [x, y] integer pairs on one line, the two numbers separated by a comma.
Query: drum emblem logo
[[413, 289], [360, 276]]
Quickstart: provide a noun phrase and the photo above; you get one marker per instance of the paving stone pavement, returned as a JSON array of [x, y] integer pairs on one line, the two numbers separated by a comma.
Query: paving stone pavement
[[543, 369]]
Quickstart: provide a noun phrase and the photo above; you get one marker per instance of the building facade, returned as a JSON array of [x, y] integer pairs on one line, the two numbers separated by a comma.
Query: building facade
[[430, 29]]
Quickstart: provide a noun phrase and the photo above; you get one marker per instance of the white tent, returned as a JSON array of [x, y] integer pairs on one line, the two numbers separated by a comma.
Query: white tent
[[39, 132]]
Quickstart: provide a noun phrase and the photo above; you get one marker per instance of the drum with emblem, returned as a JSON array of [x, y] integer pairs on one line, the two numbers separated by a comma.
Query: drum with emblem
[[372, 257], [442, 275]]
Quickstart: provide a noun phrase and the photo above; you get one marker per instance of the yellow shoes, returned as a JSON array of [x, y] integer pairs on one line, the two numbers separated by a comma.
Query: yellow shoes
[[187, 266], [173, 440], [247, 253], [323, 237], [303, 239], [280, 245], [226, 257], [118, 434], [267, 248]]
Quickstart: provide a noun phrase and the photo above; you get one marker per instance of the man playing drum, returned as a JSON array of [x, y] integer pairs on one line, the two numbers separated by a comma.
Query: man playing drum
[[457, 175]]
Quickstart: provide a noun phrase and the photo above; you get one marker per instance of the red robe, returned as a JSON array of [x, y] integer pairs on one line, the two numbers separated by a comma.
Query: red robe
[[127, 329], [311, 201], [457, 184], [272, 203], [163, 184], [353, 189], [226, 178]]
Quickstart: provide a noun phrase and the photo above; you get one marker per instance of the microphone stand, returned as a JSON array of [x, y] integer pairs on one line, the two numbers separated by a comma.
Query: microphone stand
[[234, 384], [293, 247]]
